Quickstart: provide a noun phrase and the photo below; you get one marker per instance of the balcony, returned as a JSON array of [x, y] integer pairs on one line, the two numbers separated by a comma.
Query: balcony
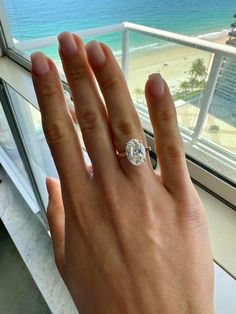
[[205, 109]]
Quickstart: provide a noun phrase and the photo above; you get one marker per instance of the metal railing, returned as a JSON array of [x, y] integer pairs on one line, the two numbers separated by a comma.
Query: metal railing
[[125, 28]]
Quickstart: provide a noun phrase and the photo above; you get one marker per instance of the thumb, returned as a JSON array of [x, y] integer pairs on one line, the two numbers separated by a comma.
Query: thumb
[[56, 221]]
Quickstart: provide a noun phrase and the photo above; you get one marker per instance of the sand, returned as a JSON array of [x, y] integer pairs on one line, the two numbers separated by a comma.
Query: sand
[[172, 62]]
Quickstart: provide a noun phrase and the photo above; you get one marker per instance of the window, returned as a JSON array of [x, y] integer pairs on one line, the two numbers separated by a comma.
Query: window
[[16, 151], [201, 75]]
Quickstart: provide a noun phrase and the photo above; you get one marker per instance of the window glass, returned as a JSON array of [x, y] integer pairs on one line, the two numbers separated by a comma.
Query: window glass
[[30, 127], [10, 158], [202, 82]]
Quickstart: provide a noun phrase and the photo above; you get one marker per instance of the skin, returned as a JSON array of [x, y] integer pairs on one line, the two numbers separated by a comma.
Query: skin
[[126, 239]]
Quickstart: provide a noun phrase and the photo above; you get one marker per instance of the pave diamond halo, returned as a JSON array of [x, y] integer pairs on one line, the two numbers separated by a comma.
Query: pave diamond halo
[[135, 152]]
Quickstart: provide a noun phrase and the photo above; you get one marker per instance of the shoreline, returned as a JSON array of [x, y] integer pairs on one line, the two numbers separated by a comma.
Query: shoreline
[[173, 62]]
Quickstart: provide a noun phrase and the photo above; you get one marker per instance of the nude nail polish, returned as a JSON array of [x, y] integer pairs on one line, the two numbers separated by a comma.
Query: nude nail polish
[[95, 53], [67, 43], [156, 85], [40, 65]]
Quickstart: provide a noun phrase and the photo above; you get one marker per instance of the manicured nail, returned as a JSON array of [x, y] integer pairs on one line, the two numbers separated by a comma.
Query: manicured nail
[[67, 43], [156, 85], [95, 53], [40, 65]]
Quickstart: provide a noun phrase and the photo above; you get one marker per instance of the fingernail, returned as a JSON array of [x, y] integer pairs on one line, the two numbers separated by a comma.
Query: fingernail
[[95, 53], [67, 43], [156, 85], [40, 65]]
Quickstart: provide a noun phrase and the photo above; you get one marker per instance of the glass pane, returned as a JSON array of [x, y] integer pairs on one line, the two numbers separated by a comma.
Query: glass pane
[[10, 157], [29, 123], [204, 95], [220, 127]]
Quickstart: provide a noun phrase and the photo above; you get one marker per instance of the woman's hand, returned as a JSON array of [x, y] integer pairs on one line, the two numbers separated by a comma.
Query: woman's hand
[[126, 239]]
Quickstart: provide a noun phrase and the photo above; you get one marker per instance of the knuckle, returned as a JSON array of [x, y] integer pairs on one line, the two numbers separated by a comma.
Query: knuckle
[[89, 120], [191, 218], [125, 127], [166, 115], [77, 73], [56, 131], [173, 150], [48, 90], [111, 82]]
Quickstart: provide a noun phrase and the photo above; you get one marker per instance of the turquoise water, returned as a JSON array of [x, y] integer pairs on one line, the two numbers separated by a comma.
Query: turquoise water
[[38, 18]]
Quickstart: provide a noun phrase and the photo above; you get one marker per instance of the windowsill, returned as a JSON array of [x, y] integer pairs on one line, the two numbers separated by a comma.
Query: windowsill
[[222, 222], [34, 246], [222, 219]]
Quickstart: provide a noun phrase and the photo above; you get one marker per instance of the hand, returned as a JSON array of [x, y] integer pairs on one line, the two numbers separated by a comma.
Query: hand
[[126, 239]]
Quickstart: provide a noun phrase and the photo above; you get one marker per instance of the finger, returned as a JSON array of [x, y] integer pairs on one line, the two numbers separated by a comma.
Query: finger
[[89, 107], [124, 120], [168, 142], [57, 123], [56, 221]]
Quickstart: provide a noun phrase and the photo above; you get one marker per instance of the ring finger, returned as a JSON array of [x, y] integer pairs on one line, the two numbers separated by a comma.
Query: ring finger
[[124, 120]]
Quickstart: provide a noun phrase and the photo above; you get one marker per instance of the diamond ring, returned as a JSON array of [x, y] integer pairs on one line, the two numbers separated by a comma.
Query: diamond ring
[[135, 152]]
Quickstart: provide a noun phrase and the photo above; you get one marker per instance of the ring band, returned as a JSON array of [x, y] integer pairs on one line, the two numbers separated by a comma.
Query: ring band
[[135, 152]]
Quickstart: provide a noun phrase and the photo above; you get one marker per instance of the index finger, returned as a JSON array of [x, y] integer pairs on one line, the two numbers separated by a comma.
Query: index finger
[[57, 123]]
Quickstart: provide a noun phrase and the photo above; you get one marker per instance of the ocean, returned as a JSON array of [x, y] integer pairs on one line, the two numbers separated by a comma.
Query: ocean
[[30, 19]]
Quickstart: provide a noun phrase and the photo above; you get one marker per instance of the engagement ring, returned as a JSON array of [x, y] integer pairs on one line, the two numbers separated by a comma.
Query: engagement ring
[[135, 152]]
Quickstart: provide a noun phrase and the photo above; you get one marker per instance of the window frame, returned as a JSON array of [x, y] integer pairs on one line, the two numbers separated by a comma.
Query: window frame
[[36, 204]]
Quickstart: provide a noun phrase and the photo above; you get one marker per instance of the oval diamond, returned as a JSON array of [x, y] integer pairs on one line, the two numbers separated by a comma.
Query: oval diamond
[[135, 152]]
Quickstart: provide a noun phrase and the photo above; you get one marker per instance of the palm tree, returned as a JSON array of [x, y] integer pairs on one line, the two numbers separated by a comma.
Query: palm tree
[[198, 69], [138, 91], [184, 87], [193, 83]]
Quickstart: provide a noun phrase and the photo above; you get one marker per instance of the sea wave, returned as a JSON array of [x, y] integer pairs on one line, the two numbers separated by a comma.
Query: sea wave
[[214, 35], [118, 53]]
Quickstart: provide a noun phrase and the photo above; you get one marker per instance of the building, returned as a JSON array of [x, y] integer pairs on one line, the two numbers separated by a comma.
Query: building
[[226, 85]]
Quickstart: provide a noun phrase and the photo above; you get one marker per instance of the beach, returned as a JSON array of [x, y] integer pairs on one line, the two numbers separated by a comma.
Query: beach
[[173, 62]]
